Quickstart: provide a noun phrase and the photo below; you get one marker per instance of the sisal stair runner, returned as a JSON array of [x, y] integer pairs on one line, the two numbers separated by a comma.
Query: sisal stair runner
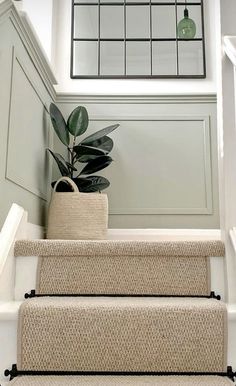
[[122, 267], [122, 381], [122, 313]]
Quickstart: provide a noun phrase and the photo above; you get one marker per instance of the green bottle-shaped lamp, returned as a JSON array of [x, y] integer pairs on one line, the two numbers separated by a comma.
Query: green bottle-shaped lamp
[[186, 27]]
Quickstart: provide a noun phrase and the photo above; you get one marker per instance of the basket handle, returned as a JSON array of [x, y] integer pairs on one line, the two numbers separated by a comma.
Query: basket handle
[[70, 182]]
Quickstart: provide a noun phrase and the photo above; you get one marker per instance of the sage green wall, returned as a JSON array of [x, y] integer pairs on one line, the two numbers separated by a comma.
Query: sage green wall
[[24, 129], [164, 173]]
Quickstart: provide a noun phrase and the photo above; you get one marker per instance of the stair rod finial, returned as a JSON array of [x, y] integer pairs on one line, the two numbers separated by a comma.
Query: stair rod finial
[[12, 373], [30, 294], [230, 373]]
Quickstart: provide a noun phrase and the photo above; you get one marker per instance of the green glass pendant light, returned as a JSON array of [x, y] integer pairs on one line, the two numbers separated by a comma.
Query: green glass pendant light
[[186, 27]]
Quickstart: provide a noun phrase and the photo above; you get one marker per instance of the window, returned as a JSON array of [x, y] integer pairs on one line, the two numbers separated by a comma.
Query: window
[[137, 39]]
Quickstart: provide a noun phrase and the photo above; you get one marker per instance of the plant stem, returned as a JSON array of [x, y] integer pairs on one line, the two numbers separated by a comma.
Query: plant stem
[[70, 159], [73, 154]]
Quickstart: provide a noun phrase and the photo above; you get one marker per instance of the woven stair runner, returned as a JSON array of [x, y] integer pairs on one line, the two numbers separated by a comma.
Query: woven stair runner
[[122, 334], [122, 267], [117, 334], [122, 381]]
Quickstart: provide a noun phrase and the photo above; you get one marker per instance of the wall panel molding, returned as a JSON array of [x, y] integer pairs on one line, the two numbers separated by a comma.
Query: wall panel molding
[[13, 170], [136, 99], [199, 133]]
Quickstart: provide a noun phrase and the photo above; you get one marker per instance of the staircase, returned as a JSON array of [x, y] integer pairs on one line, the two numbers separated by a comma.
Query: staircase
[[122, 313]]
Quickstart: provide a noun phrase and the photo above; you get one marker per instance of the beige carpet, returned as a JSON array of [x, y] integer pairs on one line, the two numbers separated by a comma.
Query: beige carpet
[[118, 248], [123, 275], [122, 267], [121, 381], [122, 334]]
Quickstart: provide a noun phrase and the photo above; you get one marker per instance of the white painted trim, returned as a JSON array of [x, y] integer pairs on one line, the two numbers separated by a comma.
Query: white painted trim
[[230, 48], [34, 231], [37, 44], [9, 231], [9, 310], [164, 234], [135, 99], [232, 235], [31, 43], [231, 308], [15, 227]]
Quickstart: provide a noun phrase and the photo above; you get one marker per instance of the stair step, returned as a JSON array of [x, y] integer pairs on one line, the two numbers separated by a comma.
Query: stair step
[[111, 247], [122, 267], [122, 381], [122, 334]]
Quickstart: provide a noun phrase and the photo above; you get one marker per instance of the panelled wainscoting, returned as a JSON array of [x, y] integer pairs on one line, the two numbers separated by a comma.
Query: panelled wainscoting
[[164, 172], [25, 94]]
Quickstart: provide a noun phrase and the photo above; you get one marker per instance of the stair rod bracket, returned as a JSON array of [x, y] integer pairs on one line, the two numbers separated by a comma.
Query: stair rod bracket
[[230, 373], [32, 294], [214, 296], [12, 373]]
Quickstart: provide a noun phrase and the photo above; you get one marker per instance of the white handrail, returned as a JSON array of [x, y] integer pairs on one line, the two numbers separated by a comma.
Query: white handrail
[[13, 228], [230, 48]]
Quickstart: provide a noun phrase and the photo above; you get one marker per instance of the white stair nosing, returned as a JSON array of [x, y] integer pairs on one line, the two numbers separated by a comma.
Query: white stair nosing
[[9, 310]]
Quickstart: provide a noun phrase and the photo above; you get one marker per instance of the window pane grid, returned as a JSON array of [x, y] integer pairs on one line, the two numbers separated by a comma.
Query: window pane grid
[[125, 39], [140, 57]]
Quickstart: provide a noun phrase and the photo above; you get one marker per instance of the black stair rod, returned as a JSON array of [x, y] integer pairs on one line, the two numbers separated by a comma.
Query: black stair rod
[[14, 372], [212, 295]]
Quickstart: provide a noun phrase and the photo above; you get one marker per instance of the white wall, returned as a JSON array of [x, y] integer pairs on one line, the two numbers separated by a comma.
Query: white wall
[[52, 22], [227, 141], [61, 61], [40, 14]]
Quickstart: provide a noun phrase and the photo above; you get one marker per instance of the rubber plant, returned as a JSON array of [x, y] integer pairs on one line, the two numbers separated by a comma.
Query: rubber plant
[[92, 150]]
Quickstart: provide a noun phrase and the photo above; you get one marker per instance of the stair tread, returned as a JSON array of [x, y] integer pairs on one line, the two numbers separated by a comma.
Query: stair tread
[[122, 334], [118, 247], [122, 302], [122, 381]]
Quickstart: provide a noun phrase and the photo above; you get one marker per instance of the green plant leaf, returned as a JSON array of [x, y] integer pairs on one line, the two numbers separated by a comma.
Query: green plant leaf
[[71, 167], [61, 163], [88, 150], [99, 134], [78, 121], [86, 158], [105, 143], [97, 164], [59, 124], [98, 184], [82, 183]]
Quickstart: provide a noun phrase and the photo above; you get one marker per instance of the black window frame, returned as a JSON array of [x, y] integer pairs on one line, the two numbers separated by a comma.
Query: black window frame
[[151, 3]]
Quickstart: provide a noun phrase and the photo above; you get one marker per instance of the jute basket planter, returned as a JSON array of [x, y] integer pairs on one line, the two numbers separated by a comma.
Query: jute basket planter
[[77, 216]]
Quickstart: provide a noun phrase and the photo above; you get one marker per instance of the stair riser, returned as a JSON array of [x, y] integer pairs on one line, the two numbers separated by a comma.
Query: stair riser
[[122, 335], [8, 337], [124, 275], [26, 268]]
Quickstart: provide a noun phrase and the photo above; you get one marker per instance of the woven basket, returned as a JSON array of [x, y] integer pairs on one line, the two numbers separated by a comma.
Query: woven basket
[[77, 216]]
